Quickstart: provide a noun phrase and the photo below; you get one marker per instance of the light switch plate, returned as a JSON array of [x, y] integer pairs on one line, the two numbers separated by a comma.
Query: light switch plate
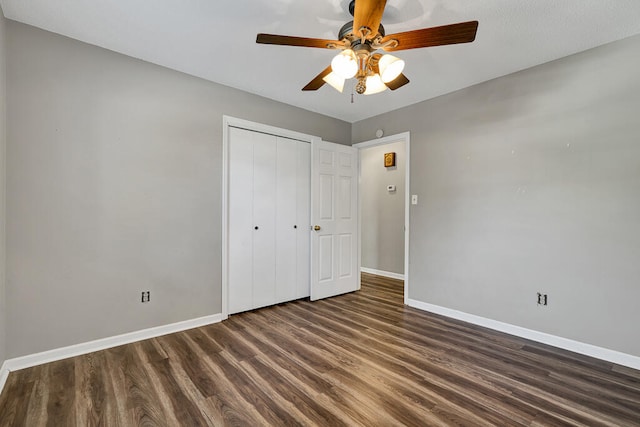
[[414, 199]]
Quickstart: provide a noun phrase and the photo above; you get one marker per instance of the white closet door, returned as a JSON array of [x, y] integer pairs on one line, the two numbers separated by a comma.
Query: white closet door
[[303, 221], [286, 219], [264, 219], [269, 219], [241, 220]]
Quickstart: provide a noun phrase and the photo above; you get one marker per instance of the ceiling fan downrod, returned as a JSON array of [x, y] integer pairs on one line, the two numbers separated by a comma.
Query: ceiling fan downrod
[[363, 54]]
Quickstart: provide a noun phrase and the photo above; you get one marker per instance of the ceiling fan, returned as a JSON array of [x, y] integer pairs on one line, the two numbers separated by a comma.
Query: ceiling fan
[[360, 39]]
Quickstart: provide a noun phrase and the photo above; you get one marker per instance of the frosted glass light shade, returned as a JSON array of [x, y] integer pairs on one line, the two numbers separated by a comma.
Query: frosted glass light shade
[[344, 64], [335, 81], [390, 67], [374, 85]]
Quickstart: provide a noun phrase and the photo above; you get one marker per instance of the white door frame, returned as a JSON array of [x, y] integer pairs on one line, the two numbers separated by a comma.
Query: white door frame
[[227, 122], [400, 137]]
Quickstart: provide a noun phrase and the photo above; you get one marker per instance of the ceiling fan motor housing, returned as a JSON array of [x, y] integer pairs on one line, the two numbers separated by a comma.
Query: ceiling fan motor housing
[[346, 32], [352, 7]]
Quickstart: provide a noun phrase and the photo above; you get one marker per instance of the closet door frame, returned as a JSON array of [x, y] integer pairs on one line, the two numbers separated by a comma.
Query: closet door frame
[[227, 123]]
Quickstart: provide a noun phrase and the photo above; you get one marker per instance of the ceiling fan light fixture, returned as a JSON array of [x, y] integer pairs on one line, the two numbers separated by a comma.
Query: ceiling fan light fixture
[[360, 40], [335, 81], [390, 67], [344, 64], [374, 85]]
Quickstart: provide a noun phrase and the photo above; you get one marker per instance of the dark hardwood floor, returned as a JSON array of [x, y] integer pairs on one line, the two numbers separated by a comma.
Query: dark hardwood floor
[[356, 359]]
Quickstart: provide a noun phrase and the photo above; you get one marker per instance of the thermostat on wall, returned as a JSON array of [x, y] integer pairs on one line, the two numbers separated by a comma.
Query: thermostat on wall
[[391, 188]]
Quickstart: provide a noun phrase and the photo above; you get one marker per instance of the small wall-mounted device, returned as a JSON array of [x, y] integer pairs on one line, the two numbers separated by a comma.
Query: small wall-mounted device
[[542, 299], [391, 188]]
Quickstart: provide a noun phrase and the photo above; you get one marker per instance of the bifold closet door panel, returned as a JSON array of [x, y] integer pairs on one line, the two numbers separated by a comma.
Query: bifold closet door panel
[[240, 220], [303, 213], [286, 219], [264, 219]]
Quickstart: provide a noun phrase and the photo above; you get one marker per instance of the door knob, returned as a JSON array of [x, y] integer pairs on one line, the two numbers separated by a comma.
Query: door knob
[[316, 227]]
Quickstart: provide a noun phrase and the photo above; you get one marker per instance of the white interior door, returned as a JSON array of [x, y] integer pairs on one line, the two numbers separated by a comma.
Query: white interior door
[[334, 213]]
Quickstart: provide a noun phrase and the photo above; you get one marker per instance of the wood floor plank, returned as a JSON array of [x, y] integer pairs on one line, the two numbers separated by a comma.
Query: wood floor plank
[[360, 359], [228, 402], [61, 407], [11, 409], [179, 350], [39, 398], [138, 397], [185, 409], [91, 389]]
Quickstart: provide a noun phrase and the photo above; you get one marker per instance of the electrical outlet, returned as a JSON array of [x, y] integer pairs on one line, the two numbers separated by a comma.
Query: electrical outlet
[[146, 296], [542, 299]]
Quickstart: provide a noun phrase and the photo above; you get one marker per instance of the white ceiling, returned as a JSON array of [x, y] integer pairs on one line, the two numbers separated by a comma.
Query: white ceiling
[[215, 40]]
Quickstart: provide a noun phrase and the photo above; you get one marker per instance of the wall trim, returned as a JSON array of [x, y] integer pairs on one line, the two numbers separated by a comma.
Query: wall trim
[[382, 273], [35, 359], [4, 374], [541, 337]]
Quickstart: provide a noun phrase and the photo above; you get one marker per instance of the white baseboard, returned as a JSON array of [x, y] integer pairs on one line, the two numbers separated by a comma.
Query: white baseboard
[[382, 273], [555, 341], [101, 344], [4, 374]]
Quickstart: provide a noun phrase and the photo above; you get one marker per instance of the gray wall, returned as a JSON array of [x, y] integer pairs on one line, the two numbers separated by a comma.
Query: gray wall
[[382, 212], [531, 182], [114, 187], [3, 127]]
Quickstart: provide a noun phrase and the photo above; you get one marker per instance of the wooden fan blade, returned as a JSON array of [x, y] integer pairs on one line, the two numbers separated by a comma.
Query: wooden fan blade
[[297, 41], [317, 81], [464, 32], [398, 82], [368, 14]]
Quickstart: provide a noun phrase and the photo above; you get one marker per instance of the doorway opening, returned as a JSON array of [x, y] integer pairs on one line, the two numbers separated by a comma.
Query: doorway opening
[[384, 209]]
